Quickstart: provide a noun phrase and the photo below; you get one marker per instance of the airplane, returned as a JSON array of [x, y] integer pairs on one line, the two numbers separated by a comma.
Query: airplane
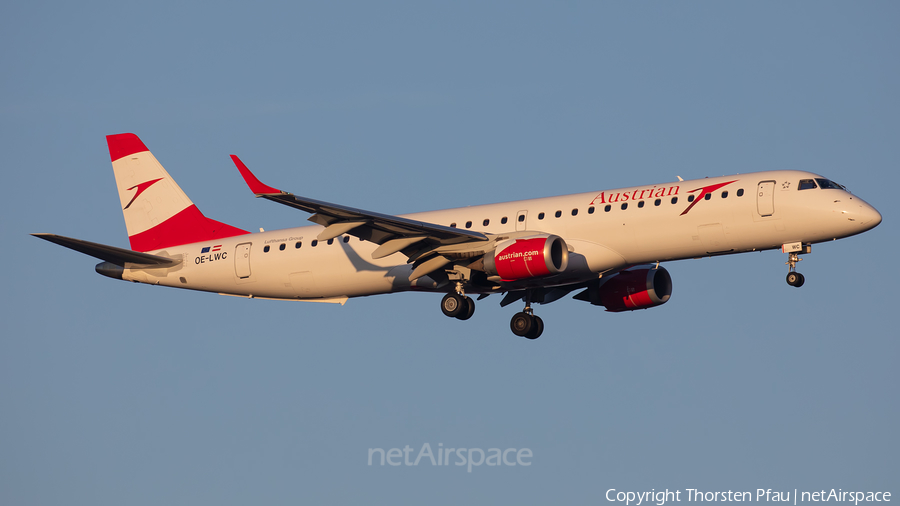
[[607, 245]]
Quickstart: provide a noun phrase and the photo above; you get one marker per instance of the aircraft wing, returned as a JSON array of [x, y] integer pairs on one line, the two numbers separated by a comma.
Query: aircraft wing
[[416, 239]]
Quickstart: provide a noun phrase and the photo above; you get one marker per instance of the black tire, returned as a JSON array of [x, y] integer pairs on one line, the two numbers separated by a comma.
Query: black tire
[[521, 324], [537, 329], [470, 309], [452, 305], [795, 279]]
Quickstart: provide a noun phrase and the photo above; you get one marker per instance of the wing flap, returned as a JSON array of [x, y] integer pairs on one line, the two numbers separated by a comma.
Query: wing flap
[[366, 225], [338, 228], [395, 245], [429, 266]]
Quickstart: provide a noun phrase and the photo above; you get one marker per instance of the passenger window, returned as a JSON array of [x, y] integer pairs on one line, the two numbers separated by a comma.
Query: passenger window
[[558, 214], [468, 224], [724, 195], [330, 241], [807, 184], [281, 246], [297, 246], [641, 203], [453, 225], [266, 249], [503, 220], [346, 238], [574, 212], [540, 216], [657, 202], [521, 217], [740, 193], [313, 243], [486, 222], [607, 208], [707, 196], [625, 206], [674, 200], [591, 210], [690, 198]]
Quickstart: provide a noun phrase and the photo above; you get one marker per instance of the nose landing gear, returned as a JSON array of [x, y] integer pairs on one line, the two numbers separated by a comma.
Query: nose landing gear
[[794, 278]]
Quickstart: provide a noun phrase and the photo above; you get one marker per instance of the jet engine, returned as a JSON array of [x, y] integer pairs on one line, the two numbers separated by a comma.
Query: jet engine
[[527, 257], [634, 288]]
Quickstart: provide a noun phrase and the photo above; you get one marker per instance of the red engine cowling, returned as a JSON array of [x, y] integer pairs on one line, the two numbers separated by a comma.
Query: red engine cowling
[[528, 257], [635, 288]]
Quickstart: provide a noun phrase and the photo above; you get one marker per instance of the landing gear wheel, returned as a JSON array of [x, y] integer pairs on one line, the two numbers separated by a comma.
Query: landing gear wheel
[[469, 311], [521, 324], [795, 279], [453, 304], [537, 328]]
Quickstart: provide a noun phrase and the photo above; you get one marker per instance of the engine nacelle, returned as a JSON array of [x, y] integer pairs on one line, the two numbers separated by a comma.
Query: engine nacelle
[[635, 288], [527, 257]]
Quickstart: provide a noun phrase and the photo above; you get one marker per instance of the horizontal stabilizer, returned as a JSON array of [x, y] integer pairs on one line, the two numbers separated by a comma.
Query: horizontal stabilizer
[[111, 254]]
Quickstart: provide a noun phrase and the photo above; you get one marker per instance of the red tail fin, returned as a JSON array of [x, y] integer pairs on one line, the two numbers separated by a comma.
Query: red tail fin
[[157, 212]]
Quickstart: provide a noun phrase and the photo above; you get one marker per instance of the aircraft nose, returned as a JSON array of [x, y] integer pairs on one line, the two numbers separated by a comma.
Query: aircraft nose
[[867, 216], [870, 216]]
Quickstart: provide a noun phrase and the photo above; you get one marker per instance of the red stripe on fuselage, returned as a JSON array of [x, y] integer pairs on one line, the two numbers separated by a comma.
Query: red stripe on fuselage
[[188, 226]]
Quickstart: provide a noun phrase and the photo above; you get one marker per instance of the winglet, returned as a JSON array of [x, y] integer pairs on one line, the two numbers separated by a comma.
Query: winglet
[[256, 186]]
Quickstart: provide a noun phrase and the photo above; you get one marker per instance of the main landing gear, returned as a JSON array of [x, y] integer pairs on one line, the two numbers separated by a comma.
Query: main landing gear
[[526, 324], [457, 305]]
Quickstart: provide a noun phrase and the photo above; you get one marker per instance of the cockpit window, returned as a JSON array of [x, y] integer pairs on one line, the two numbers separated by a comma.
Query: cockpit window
[[827, 184], [807, 184]]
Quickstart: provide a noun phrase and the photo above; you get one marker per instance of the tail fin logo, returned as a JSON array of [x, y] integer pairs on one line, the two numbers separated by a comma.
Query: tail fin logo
[[140, 189]]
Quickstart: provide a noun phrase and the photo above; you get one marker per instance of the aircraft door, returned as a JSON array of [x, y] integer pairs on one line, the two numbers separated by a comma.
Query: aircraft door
[[242, 260], [521, 220], [765, 198]]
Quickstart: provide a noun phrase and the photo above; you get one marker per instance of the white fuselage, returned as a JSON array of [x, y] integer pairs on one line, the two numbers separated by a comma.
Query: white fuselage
[[762, 210]]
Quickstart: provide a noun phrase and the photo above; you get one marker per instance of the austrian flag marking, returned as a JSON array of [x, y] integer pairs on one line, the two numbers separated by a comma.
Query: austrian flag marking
[[210, 254]]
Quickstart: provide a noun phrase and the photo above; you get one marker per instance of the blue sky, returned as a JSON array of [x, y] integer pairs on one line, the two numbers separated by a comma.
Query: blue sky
[[114, 393]]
